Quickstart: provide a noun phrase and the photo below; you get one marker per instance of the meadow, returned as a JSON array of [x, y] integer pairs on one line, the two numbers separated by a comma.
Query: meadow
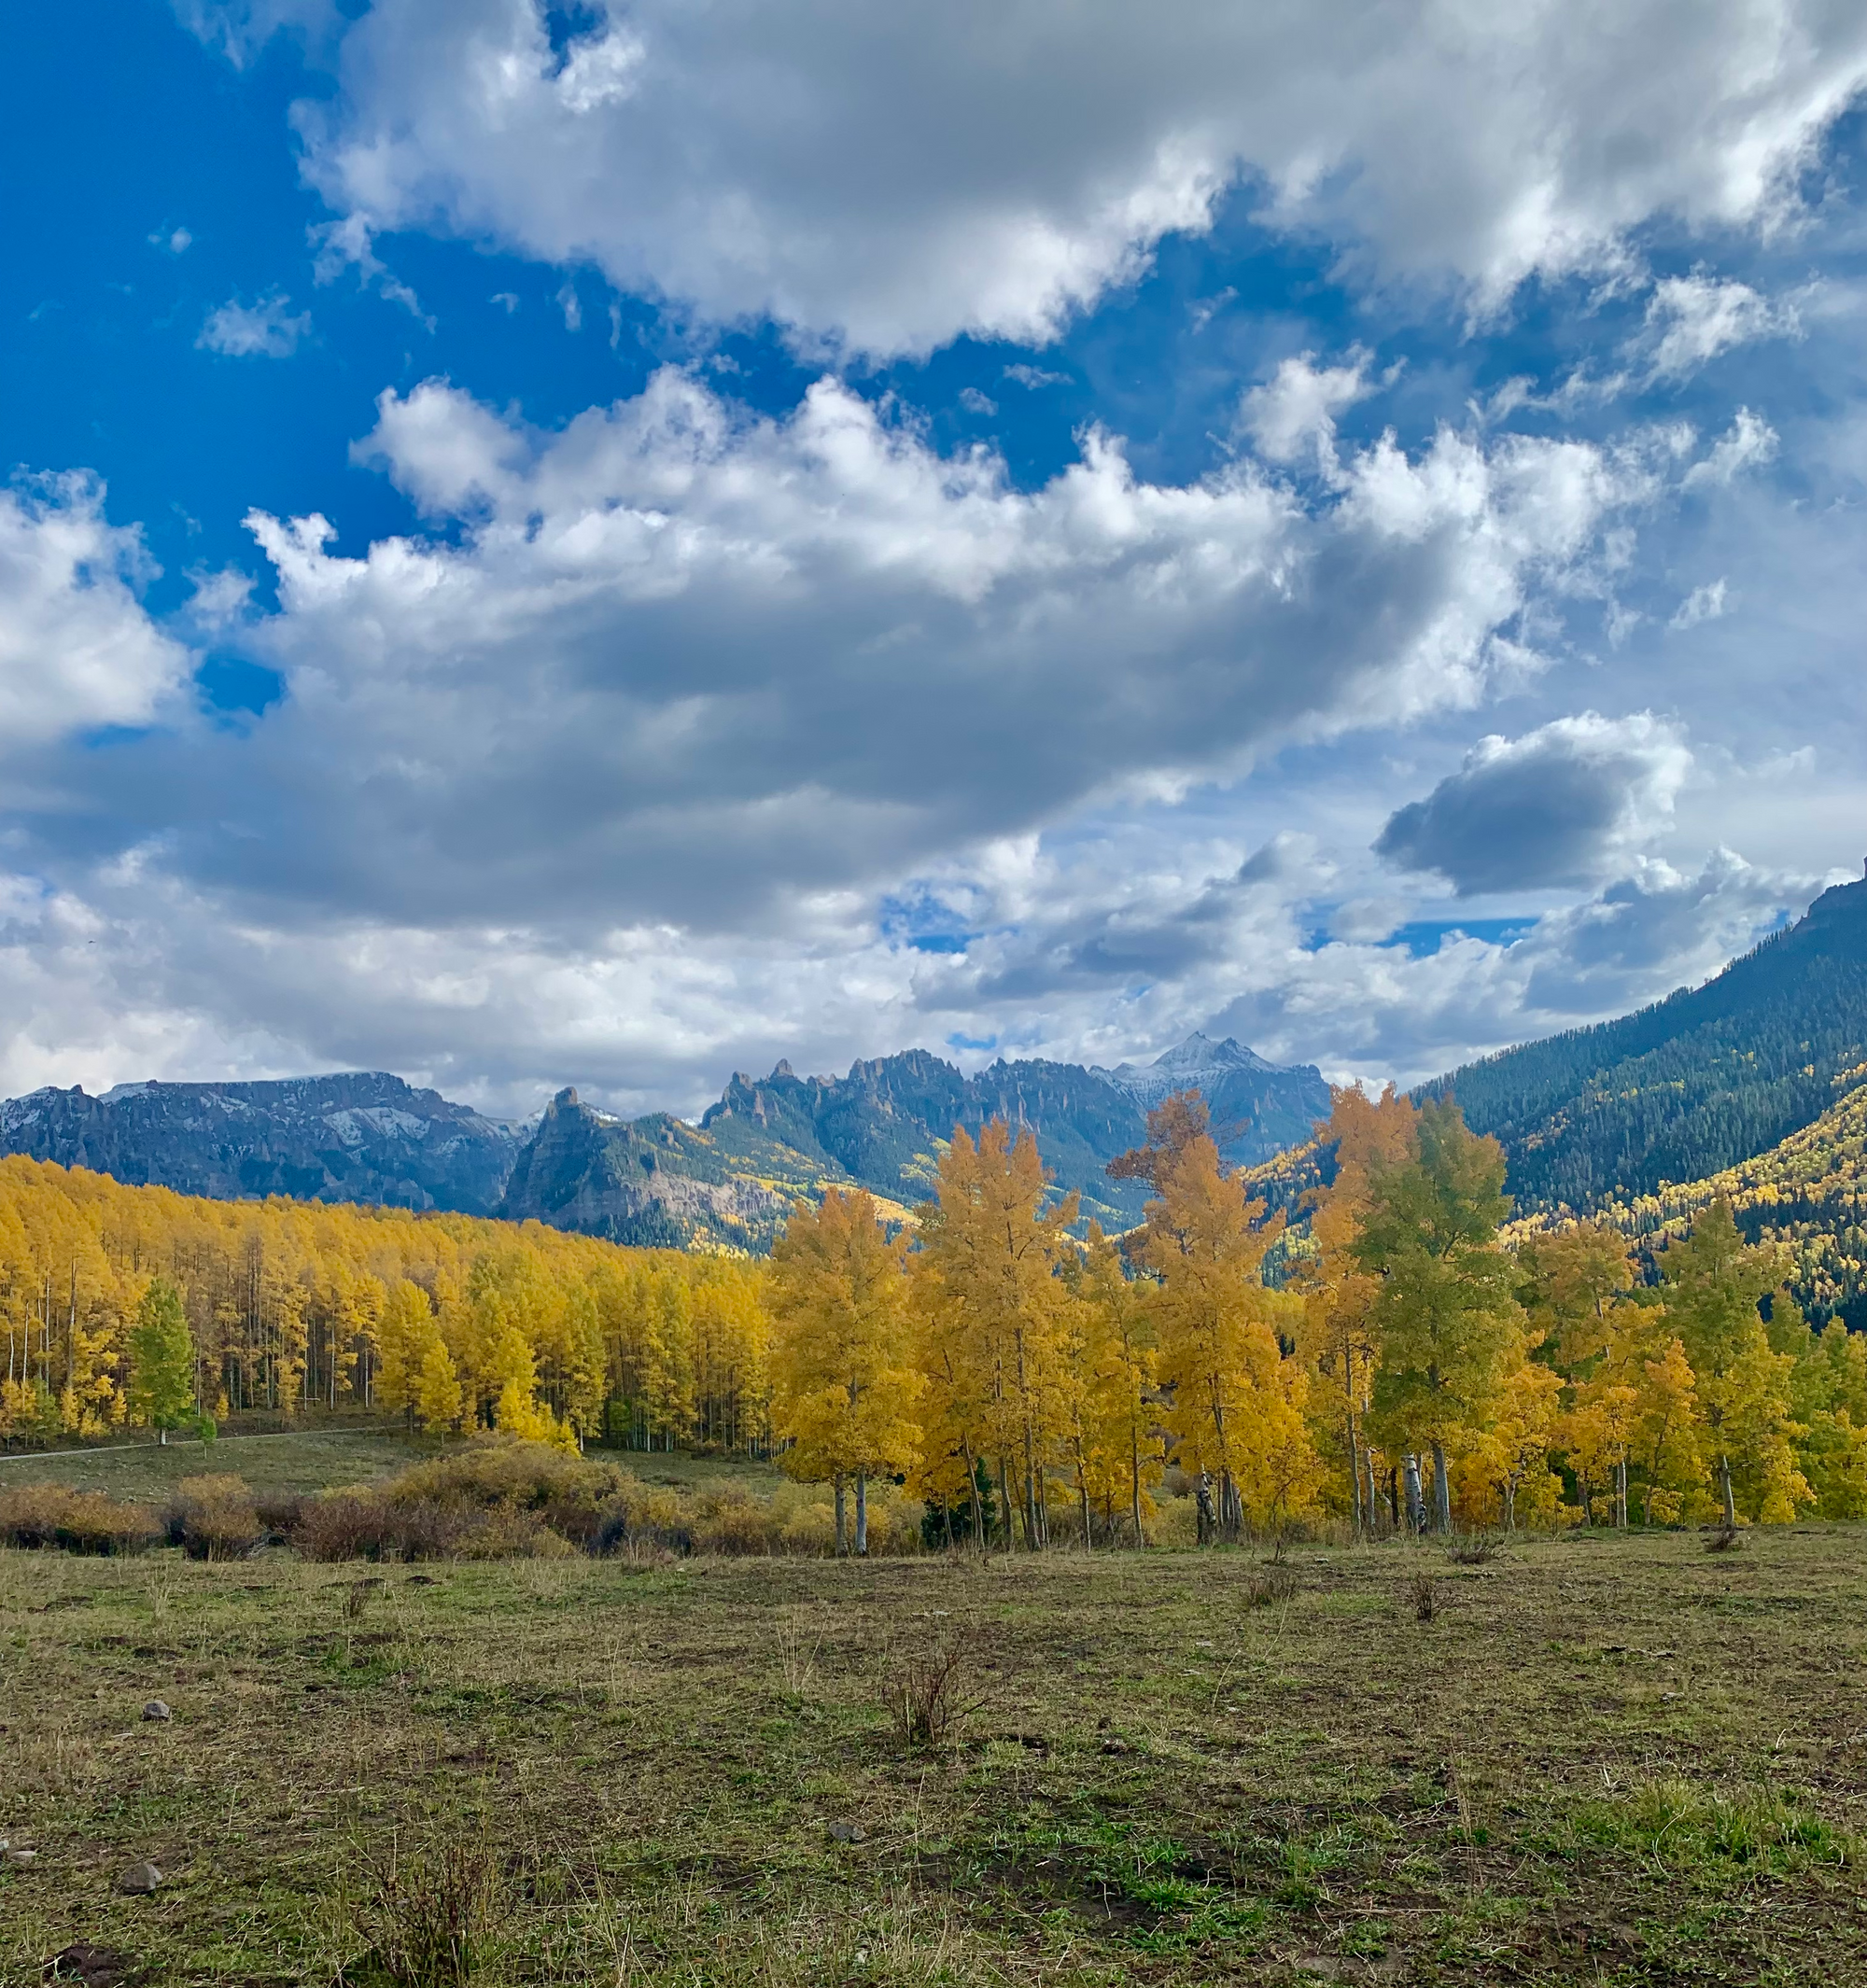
[[1605, 1757]]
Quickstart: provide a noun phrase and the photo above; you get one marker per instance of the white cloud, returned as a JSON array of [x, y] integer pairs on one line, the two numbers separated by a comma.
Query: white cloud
[[1293, 413], [238, 29], [176, 240], [975, 402], [899, 176], [676, 662], [1691, 319], [1703, 604], [1567, 803], [262, 330], [1750, 442], [76, 650]]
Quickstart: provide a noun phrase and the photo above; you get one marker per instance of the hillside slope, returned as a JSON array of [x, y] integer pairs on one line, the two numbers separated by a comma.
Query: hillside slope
[[1689, 1086], [1809, 1193]]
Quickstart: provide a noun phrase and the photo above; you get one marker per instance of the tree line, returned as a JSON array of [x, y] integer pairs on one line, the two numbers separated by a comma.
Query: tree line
[[1391, 1359], [136, 1305], [1405, 1369]]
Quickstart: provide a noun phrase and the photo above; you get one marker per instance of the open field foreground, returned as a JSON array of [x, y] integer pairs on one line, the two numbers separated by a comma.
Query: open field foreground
[[1604, 1760]]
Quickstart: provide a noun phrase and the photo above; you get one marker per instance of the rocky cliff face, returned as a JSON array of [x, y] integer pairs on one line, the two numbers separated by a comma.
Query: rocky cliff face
[[359, 1137], [728, 1181], [655, 1182]]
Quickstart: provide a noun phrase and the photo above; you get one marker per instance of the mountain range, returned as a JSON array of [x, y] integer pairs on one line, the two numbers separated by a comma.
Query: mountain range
[[659, 1179], [1622, 1118]]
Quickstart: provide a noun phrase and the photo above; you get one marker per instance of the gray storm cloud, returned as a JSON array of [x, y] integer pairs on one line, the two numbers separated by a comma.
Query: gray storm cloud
[[1555, 808]]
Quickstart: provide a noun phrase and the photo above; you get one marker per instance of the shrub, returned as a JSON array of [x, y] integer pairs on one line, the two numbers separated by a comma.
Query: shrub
[[641, 1519], [731, 1521], [433, 1914], [928, 1693], [52, 1514], [504, 1470], [213, 1518]]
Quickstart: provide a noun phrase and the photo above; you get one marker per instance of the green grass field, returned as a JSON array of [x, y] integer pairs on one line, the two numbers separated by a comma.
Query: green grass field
[[1604, 1760], [308, 1460]]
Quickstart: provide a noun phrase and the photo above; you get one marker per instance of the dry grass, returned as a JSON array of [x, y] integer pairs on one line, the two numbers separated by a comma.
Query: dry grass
[[1615, 1760]]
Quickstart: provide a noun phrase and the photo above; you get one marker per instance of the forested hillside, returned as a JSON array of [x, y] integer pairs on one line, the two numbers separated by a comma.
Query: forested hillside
[[1808, 1195], [1689, 1087]]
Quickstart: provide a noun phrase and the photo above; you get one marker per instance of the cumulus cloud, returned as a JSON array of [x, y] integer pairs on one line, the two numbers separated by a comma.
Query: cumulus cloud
[[674, 661], [1560, 806], [1293, 413], [268, 329], [77, 650], [1376, 1011], [896, 177]]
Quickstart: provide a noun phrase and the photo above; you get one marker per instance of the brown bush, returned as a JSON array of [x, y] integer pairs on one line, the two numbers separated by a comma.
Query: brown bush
[[731, 1521], [433, 1914], [213, 1518], [369, 1525], [52, 1514]]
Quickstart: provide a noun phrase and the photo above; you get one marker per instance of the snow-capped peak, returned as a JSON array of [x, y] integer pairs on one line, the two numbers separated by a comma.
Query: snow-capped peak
[[1190, 1065]]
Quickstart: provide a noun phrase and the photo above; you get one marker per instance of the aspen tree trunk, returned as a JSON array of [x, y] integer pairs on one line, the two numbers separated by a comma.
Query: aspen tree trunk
[[1417, 1503], [1134, 1481], [1442, 1489], [842, 1535], [1620, 1494], [973, 1491], [1510, 1506], [1005, 1499], [861, 1515], [1083, 1495], [1730, 1504]]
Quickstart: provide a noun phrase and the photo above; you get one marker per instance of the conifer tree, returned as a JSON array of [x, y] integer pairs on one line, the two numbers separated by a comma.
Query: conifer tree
[[846, 1386]]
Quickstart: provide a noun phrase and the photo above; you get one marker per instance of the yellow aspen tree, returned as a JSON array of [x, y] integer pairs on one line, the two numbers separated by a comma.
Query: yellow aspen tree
[[1337, 1293], [403, 1333], [994, 1311], [1119, 1455], [1666, 1431], [1714, 1285], [1238, 1403], [437, 1395], [1510, 1461], [844, 1382]]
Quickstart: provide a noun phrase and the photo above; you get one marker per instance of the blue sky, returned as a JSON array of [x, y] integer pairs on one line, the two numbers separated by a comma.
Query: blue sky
[[610, 545]]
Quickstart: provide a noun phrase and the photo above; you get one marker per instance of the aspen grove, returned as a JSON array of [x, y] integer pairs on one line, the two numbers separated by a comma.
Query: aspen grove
[[1388, 1360]]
